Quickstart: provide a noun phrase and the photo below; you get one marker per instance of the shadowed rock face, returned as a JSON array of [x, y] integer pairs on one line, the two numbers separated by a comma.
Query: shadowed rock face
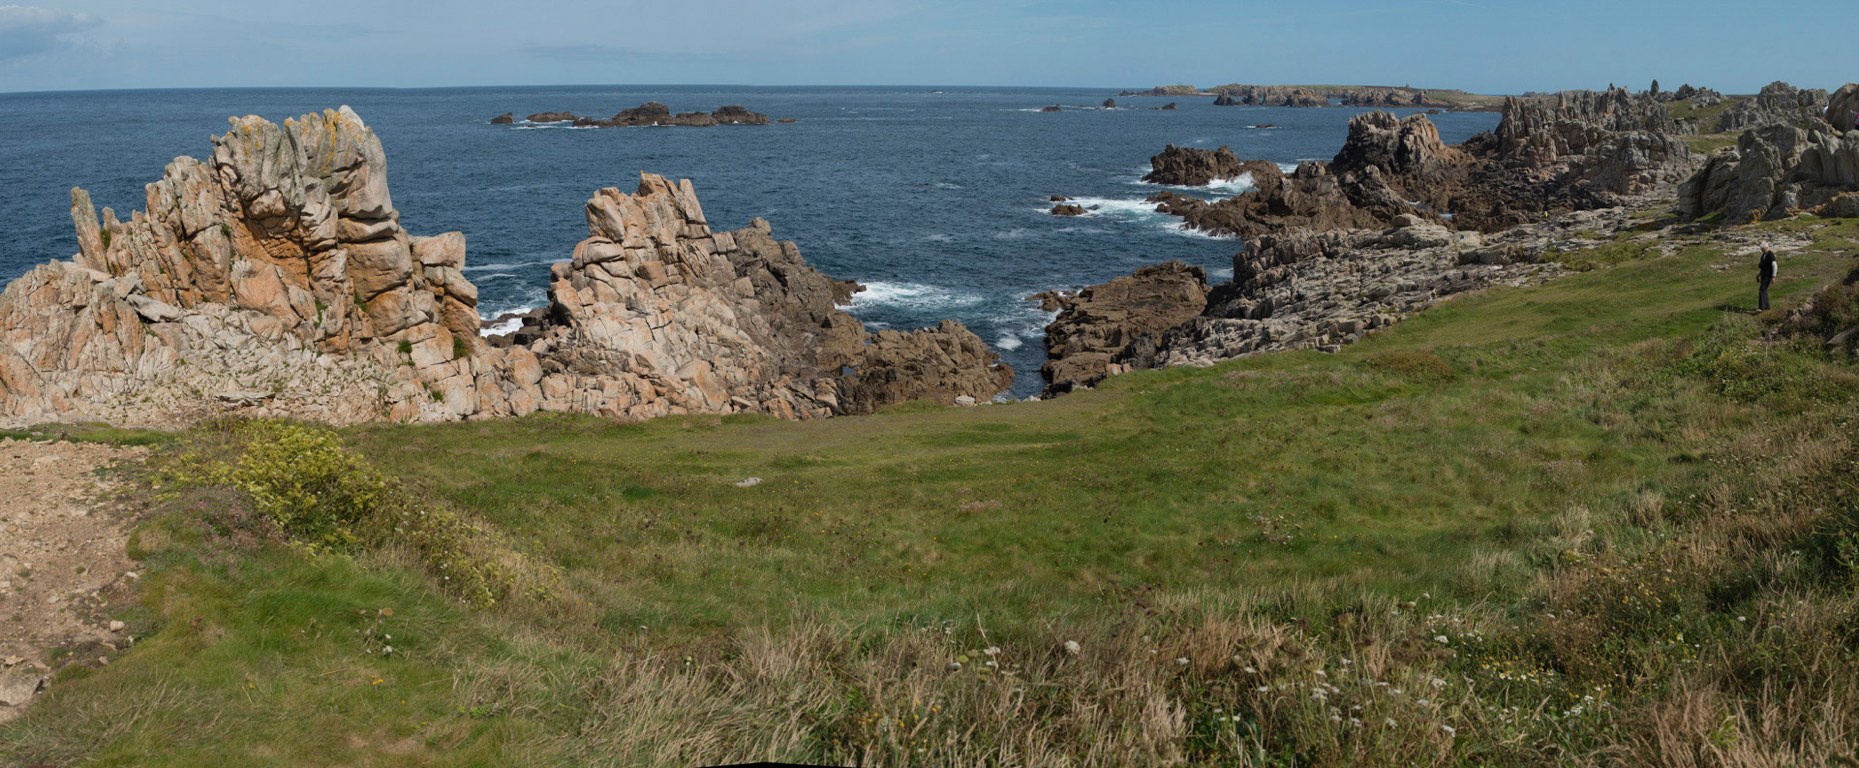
[[1101, 325], [1774, 172], [1843, 108], [1190, 167], [276, 279]]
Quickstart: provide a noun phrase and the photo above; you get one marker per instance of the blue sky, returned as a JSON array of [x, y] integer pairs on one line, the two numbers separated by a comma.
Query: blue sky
[[1491, 46]]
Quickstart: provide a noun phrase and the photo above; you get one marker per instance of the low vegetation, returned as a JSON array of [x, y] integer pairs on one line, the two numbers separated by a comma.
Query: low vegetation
[[1607, 521]]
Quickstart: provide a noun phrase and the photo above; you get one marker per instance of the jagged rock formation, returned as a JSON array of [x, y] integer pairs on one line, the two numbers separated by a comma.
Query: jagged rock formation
[[1191, 167], [1101, 324], [507, 118], [552, 117], [1777, 104], [1699, 97], [1542, 135], [1572, 151], [1386, 163], [1773, 173], [1110, 103], [276, 279]]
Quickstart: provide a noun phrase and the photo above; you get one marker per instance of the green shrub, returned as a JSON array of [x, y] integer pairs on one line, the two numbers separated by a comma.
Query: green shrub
[[460, 347], [327, 499], [301, 478]]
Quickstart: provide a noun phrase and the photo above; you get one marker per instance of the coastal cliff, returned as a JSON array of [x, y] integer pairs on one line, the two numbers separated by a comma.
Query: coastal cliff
[[276, 279]]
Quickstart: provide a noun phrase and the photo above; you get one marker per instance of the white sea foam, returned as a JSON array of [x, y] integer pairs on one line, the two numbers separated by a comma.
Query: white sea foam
[[503, 265], [1009, 343], [911, 296], [1095, 207], [940, 238], [507, 326]]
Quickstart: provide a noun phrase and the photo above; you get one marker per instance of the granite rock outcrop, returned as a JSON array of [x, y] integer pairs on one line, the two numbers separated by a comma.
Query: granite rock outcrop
[[1777, 104], [1571, 151], [1100, 326], [1192, 167], [276, 279], [1774, 172]]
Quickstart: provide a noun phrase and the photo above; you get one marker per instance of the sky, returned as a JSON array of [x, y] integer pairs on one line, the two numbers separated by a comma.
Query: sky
[[1486, 46]]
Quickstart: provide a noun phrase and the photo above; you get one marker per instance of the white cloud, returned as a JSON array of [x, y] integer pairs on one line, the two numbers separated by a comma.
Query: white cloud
[[26, 29]]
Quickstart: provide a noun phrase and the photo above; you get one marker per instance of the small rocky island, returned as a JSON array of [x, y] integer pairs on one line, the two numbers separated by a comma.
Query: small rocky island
[[650, 113]]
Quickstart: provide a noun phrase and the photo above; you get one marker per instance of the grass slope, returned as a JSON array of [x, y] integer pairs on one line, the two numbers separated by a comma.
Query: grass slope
[[1224, 545]]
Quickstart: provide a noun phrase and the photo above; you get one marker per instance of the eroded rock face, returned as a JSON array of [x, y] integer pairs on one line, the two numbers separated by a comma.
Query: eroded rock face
[[1777, 104], [276, 280], [1772, 173], [1543, 133], [1101, 324]]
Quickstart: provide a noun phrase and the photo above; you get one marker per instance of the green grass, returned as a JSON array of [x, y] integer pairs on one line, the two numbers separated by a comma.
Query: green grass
[[1502, 455], [89, 432]]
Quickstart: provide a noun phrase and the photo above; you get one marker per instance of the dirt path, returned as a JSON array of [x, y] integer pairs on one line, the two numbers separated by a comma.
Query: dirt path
[[60, 552]]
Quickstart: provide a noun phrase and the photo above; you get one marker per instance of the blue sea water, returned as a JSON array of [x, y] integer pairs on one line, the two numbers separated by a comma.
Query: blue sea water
[[935, 200]]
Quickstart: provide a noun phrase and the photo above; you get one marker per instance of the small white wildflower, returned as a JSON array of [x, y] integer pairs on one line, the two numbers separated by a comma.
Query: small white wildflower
[[1437, 683], [992, 651], [1251, 671], [1263, 689], [1390, 722], [992, 664], [1450, 731], [389, 650], [1072, 647], [1424, 703], [1181, 662], [1321, 673], [1742, 618], [1440, 639], [1355, 721]]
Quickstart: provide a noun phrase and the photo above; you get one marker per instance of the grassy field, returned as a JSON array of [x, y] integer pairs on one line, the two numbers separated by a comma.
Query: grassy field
[[1601, 521]]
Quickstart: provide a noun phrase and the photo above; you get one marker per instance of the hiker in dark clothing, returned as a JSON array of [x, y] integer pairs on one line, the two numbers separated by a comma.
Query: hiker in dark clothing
[[1765, 274]]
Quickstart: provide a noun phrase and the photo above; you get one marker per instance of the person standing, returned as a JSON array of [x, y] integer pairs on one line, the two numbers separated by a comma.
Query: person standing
[[1765, 275]]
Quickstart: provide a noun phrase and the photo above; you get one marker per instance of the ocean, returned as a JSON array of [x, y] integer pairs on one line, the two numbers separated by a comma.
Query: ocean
[[935, 199]]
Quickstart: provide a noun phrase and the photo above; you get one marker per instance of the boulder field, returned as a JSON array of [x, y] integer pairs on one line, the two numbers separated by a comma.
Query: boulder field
[[276, 279]]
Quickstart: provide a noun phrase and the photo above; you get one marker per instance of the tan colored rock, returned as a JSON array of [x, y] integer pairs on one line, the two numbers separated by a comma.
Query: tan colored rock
[[276, 279]]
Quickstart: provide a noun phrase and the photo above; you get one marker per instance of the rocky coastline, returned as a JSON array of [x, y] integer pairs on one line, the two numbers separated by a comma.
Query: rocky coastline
[[276, 279], [1398, 221]]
